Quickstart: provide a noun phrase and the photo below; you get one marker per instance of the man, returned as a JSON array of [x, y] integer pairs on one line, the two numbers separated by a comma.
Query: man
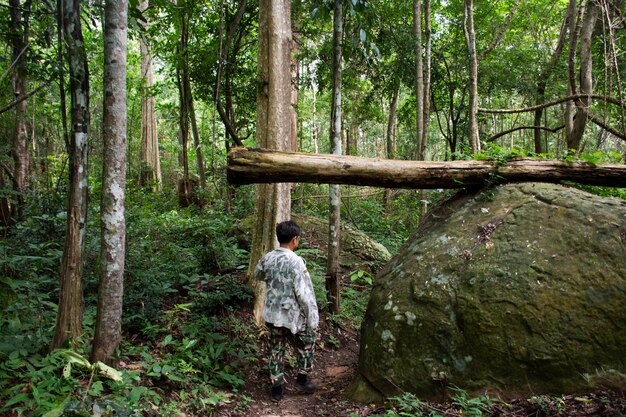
[[290, 309]]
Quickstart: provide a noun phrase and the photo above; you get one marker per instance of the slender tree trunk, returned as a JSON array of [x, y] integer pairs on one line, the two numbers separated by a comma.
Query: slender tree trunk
[[543, 81], [19, 34], [586, 78], [196, 140], [63, 101], [419, 79], [150, 174], [273, 202], [70, 312], [390, 142], [315, 128], [185, 186], [472, 111], [108, 332], [5, 204], [334, 216], [574, 27], [427, 71]]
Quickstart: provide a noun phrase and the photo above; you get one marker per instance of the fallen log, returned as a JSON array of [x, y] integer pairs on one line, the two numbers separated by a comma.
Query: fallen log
[[253, 166]]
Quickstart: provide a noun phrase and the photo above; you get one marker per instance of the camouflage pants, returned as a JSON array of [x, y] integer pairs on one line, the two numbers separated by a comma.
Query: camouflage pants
[[303, 342]]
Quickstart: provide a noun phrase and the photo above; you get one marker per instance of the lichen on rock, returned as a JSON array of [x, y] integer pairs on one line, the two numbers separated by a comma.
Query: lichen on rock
[[522, 290]]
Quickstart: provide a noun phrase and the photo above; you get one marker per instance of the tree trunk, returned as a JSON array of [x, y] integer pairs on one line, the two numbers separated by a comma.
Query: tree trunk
[[573, 27], [472, 111], [295, 82], [391, 135], [196, 140], [334, 210], [273, 202], [108, 332], [5, 204], [586, 78], [70, 313], [427, 70], [419, 80], [263, 166], [19, 33], [185, 186], [543, 81], [150, 173]]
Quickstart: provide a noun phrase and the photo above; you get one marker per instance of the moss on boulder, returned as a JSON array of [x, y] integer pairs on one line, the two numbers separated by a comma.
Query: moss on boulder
[[520, 289]]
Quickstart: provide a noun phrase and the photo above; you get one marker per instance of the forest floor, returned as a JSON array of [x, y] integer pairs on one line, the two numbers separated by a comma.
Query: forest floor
[[335, 367]]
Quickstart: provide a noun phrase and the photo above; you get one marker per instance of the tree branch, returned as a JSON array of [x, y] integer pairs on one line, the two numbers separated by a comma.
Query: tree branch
[[220, 67], [553, 103], [22, 98], [506, 132], [606, 127], [500, 34], [8, 171]]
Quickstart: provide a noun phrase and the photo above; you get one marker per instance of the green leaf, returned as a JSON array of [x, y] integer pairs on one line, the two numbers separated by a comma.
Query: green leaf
[[73, 357], [17, 399], [107, 371], [55, 412]]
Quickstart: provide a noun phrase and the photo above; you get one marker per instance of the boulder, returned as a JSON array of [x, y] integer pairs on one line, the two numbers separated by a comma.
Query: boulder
[[358, 251], [518, 289]]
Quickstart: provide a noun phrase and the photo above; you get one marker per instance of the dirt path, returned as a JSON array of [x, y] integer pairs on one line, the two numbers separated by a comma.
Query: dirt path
[[333, 371]]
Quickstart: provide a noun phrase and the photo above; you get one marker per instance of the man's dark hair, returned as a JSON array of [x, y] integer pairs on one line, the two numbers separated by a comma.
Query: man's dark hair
[[285, 231]]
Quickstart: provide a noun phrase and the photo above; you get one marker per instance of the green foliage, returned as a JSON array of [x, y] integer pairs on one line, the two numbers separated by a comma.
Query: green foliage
[[171, 250], [408, 405]]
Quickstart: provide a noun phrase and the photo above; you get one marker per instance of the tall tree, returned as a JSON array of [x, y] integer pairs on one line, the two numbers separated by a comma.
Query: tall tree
[[419, 79], [334, 215], [19, 34], [470, 38], [185, 186], [70, 312], [112, 214], [150, 161], [542, 82], [586, 78], [427, 75], [273, 201]]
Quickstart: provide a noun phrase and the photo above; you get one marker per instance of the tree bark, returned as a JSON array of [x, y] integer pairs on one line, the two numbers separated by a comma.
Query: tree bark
[[334, 210], [273, 201], [19, 34], [586, 78], [427, 75], [262, 166], [70, 312], [472, 111], [574, 28], [150, 172], [108, 331], [419, 80], [196, 140], [185, 186]]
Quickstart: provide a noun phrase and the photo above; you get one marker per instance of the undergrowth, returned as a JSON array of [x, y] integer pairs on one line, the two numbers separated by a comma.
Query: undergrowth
[[184, 345]]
